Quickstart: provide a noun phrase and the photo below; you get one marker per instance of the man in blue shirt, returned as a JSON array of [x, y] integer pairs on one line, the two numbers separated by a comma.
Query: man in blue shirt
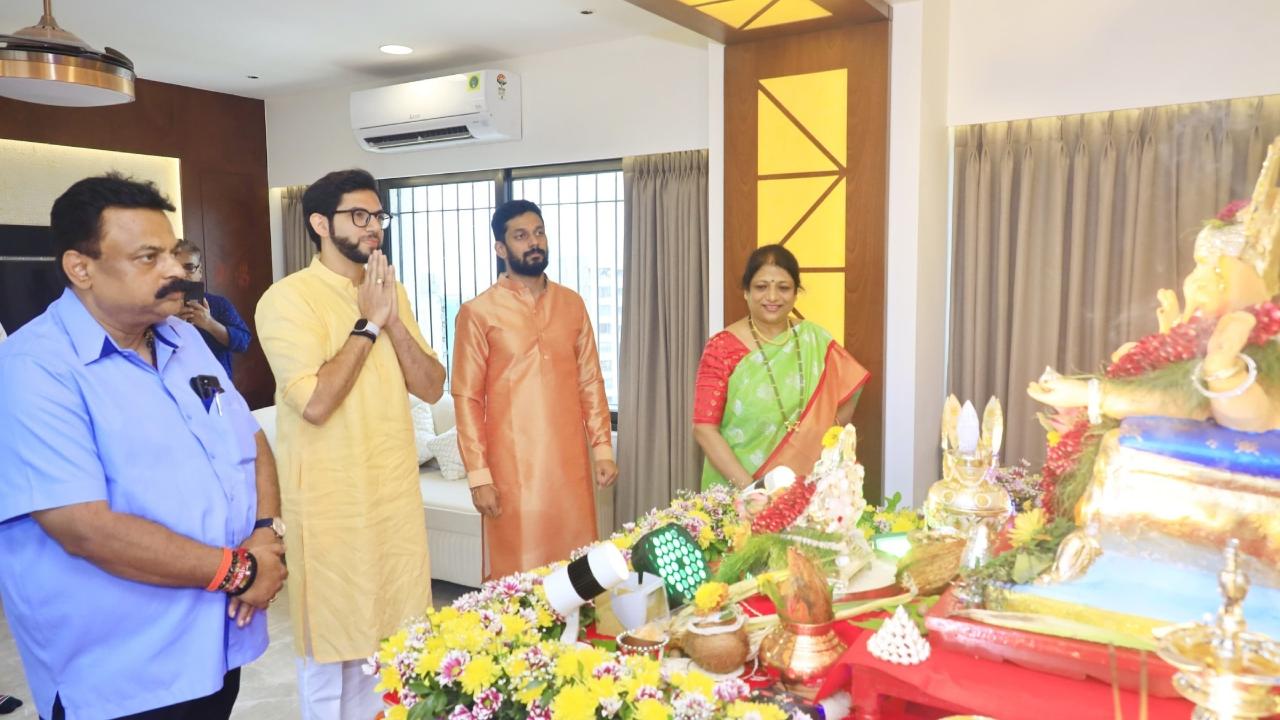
[[131, 563], [214, 316]]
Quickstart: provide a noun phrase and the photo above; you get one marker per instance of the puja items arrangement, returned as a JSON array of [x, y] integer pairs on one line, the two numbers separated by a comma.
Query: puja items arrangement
[[521, 647]]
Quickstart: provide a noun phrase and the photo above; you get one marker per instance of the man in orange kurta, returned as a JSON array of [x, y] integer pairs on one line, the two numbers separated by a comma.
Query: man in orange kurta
[[531, 410]]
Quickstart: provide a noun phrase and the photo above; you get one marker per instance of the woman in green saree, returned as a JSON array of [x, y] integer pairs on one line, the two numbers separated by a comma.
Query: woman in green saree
[[769, 386]]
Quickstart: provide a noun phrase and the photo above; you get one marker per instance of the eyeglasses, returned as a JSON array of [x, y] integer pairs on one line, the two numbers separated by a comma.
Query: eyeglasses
[[190, 267], [360, 217]]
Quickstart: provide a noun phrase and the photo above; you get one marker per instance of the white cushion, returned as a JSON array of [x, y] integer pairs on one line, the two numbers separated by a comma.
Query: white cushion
[[424, 428], [445, 449], [448, 504], [442, 412], [266, 418]]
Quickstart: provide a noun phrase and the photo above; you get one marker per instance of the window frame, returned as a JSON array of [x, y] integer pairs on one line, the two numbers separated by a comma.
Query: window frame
[[502, 183]]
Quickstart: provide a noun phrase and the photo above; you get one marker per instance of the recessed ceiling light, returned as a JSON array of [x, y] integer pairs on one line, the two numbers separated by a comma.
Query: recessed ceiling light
[[396, 49]]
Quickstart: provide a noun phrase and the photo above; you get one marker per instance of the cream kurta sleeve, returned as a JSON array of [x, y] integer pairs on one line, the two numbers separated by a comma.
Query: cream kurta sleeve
[[470, 365], [293, 339], [591, 395]]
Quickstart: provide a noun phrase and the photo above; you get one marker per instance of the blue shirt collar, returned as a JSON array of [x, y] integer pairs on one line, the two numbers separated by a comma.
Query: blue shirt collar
[[90, 339]]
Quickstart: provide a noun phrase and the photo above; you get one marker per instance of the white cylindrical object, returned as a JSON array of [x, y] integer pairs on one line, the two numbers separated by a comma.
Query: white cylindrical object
[[572, 585]]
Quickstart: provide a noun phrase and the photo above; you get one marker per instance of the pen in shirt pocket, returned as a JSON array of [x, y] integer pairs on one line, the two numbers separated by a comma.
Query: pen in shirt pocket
[[208, 389]]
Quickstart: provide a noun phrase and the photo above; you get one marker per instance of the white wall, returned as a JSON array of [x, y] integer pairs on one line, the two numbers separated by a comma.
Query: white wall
[[715, 187], [916, 258], [1013, 59], [634, 96]]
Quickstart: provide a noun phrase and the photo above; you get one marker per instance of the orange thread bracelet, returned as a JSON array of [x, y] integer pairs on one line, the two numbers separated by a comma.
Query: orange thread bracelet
[[222, 570]]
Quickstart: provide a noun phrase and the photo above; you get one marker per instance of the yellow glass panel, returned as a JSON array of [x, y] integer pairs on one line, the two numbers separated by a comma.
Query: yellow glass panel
[[780, 203], [820, 102], [734, 12], [822, 301], [789, 11], [781, 147], [820, 240]]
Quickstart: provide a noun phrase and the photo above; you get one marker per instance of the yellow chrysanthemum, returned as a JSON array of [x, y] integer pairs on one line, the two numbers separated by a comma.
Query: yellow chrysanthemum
[[831, 436], [390, 680], [1054, 437], [645, 672], [756, 711], [904, 521], [622, 542], [542, 571], [392, 646], [514, 625], [446, 614], [710, 596], [603, 688], [515, 667], [650, 709], [571, 664], [430, 659], [397, 712], [1027, 527], [544, 618], [574, 702], [478, 674], [740, 534], [705, 537], [529, 693], [695, 682]]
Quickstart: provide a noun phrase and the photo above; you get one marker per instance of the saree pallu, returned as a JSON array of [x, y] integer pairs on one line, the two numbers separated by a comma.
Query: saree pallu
[[757, 429]]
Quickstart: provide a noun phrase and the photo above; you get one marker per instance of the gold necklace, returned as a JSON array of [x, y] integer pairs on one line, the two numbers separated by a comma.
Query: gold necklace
[[788, 421], [755, 332]]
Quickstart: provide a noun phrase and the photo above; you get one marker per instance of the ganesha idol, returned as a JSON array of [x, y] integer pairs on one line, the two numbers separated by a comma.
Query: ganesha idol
[[1186, 426]]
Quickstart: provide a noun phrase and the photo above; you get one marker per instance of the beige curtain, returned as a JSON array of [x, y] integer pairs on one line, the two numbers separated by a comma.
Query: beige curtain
[[298, 248], [1065, 228], [664, 326]]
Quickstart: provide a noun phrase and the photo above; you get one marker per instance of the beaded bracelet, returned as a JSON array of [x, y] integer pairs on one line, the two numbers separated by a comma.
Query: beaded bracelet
[[239, 571], [250, 574]]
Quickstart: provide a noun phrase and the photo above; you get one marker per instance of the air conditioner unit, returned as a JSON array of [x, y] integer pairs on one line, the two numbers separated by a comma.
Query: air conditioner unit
[[480, 106]]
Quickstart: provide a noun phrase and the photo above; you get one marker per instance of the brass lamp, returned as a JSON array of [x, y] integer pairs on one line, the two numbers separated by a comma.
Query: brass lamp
[[1228, 672], [964, 502]]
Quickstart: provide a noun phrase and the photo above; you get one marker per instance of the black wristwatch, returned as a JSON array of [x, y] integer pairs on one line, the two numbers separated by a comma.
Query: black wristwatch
[[364, 328]]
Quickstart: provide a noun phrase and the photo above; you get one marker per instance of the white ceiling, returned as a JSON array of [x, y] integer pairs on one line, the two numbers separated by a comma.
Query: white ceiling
[[294, 45]]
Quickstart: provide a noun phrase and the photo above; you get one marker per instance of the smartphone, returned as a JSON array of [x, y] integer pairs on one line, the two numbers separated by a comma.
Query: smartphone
[[197, 295]]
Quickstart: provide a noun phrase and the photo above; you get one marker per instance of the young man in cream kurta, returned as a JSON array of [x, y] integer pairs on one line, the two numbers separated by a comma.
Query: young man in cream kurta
[[346, 352]]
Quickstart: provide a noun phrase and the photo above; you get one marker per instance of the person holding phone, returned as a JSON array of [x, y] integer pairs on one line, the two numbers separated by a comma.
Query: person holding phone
[[213, 315]]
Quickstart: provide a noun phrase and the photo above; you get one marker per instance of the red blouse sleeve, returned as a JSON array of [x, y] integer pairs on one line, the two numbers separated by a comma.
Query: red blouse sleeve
[[723, 353]]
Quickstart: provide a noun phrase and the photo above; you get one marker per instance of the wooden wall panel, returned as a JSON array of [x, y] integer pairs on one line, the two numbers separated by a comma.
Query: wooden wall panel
[[862, 50], [221, 143]]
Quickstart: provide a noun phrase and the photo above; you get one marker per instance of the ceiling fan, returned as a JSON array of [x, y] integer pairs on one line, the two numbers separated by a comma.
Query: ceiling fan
[[48, 65]]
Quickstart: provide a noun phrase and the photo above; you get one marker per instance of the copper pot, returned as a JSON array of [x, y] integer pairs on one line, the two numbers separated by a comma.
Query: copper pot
[[801, 652]]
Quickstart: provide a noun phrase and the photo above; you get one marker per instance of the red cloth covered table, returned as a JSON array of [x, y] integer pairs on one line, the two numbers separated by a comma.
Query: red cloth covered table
[[955, 683]]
